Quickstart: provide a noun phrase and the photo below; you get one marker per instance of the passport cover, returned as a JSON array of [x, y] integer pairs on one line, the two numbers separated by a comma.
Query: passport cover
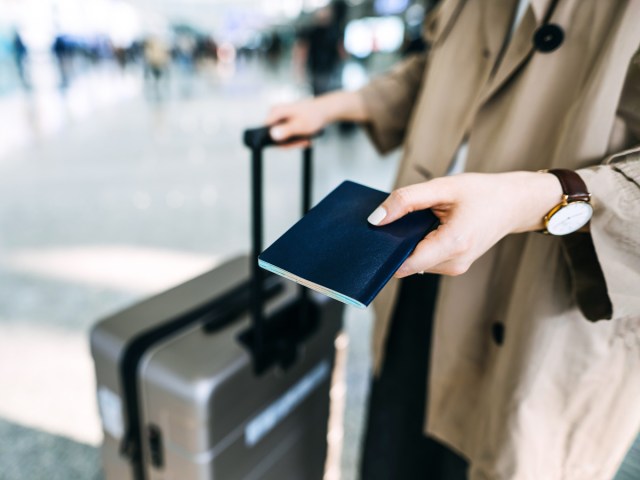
[[335, 251]]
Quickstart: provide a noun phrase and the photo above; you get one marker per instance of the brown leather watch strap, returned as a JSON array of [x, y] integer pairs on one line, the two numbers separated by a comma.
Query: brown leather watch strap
[[572, 185]]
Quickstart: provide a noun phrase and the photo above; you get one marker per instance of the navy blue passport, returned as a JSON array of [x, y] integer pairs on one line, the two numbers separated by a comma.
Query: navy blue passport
[[334, 250]]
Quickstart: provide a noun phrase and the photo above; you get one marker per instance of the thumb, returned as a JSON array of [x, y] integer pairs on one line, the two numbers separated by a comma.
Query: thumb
[[409, 199]]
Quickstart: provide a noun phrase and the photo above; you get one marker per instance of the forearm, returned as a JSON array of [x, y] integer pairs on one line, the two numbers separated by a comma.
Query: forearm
[[342, 105]]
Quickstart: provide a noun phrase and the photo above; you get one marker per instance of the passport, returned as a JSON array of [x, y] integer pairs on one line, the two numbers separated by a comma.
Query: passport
[[335, 251]]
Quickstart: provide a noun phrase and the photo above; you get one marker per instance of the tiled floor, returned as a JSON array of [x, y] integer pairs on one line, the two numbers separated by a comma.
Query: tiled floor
[[106, 196]]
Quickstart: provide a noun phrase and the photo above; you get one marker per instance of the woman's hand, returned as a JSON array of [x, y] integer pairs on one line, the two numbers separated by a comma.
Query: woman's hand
[[302, 118], [475, 212], [306, 117]]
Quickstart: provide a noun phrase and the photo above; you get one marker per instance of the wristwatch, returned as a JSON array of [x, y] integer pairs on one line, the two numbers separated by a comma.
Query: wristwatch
[[575, 210]]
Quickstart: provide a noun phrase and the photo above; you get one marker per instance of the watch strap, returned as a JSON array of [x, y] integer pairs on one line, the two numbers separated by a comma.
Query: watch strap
[[572, 185]]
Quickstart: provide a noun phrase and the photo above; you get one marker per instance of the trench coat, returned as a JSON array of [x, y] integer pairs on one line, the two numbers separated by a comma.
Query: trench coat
[[535, 368]]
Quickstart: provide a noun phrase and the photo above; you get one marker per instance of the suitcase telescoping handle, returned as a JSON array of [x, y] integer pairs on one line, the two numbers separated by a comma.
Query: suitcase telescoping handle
[[257, 139]]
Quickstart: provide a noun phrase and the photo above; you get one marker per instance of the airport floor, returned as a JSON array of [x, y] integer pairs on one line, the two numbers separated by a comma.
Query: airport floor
[[113, 190]]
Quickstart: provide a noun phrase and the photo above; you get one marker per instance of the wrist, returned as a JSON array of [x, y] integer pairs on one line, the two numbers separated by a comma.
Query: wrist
[[539, 192]]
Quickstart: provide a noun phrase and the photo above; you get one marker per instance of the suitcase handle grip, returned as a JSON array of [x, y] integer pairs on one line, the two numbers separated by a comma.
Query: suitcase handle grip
[[259, 138]]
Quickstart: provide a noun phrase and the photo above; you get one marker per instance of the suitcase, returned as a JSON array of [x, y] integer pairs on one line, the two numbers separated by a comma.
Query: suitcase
[[226, 376]]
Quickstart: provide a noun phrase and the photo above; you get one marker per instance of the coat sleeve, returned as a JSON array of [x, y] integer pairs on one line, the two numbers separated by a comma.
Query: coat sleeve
[[389, 100], [605, 264]]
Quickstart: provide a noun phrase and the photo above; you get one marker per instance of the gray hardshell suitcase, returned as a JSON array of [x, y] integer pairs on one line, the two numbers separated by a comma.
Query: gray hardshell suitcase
[[226, 376]]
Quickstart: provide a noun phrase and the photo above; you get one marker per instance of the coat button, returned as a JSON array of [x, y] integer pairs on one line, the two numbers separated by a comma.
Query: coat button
[[497, 332], [548, 37]]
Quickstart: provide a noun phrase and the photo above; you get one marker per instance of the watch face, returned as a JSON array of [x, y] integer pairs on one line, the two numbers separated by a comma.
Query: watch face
[[569, 218]]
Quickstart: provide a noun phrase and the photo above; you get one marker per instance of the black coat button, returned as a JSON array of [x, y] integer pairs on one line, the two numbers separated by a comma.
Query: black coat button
[[497, 332], [548, 37]]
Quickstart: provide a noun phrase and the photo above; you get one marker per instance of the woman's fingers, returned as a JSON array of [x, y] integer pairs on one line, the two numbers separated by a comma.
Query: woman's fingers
[[277, 114], [443, 251], [294, 120], [283, 131], [283, 119], [408, 199], [296, 144]]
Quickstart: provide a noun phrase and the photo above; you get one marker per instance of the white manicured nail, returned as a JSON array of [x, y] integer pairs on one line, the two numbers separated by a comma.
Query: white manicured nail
[[276, 133], [377, 216]]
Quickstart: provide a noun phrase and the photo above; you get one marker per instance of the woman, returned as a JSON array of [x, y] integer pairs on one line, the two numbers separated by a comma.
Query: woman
[[535, 355]]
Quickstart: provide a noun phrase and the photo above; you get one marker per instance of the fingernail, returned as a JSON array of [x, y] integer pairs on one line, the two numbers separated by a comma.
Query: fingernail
[[377, 216], [276, 133]]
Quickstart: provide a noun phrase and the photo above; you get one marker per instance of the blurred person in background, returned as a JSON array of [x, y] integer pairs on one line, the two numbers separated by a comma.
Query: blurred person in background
[[413, 39], [63, 51], [319, 51], [184, 55], [206, 50], [121, 56], [274, 49], [20, 53], [533, 351], [156, 60], [184, 52], [127, 55]]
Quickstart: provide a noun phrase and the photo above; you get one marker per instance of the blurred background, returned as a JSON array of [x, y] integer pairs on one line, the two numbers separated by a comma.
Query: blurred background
[[122, 174]]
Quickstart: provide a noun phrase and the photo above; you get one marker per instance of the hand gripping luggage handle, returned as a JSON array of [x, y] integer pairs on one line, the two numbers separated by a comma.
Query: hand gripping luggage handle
[[257, 139]]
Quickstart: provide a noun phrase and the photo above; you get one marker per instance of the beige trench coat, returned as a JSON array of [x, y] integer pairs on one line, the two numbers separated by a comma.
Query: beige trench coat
[[559, 399]]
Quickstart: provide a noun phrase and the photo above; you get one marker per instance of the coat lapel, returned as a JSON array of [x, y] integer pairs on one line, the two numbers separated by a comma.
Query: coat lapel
[[517, 52], [495, 22], [521, 45]]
